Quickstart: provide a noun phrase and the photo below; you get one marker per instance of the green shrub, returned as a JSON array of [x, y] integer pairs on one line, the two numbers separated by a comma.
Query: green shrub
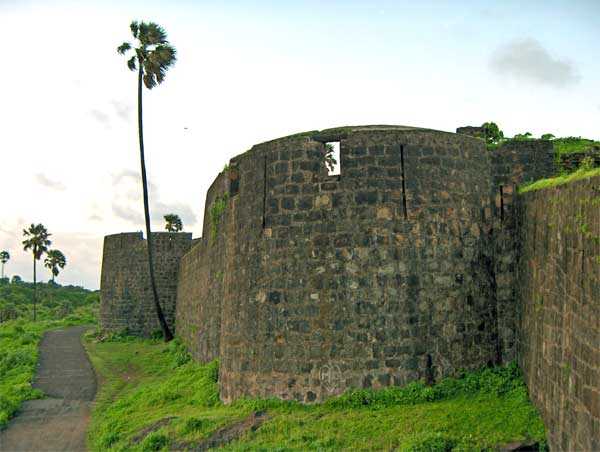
[[154, 442], [434, 442]]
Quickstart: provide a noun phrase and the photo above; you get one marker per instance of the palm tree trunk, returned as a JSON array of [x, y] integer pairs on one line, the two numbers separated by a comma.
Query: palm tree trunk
[[2, 270], [34, 289], [161, 318]]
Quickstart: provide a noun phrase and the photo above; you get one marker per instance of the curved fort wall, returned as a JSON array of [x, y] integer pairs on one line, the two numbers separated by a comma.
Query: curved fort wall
[[376, 277], [305, 284], [418, 260], [126, 297]]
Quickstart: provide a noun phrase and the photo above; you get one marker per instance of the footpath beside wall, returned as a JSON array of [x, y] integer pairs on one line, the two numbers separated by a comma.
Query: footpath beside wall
[[126, 297], [559, 288]]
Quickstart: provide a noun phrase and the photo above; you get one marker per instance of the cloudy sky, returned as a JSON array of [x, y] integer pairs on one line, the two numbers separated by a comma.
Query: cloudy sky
[[249, 71]]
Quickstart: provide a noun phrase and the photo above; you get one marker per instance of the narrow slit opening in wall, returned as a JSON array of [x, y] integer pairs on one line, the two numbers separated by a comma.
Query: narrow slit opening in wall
[[404, 208], [332, 158], [264, 212], [501, 203]]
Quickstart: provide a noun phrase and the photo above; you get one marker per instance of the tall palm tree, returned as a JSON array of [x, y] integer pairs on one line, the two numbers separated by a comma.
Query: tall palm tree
[[4, 258], [55, 259], [174, 223], [36, 241], [152, 57]]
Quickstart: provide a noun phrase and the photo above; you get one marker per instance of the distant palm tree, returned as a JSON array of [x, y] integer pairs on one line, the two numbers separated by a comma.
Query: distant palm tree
[[38, 243], [4, 258], [153, 57], [174, 223], [55, 259]]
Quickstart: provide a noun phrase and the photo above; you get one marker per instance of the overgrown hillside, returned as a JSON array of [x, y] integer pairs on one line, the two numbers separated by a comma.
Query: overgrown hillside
[[19, 336], [54, 302], [152, 397]]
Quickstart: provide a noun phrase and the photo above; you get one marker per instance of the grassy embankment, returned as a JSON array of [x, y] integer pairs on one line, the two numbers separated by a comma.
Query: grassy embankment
[[19, 336], [582, 173], [145, 382]]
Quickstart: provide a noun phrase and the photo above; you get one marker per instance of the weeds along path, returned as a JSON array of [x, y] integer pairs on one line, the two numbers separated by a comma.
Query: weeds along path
[[59, 422]]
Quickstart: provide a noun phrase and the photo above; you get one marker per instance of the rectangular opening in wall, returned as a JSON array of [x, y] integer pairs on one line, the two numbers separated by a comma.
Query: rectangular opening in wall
[[332, 158], [234, 181]]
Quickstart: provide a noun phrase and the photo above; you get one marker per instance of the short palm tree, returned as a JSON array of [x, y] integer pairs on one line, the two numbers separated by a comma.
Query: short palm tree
[[55, 259], [152, 57], [174, 223], [36, 241], [4, 258]]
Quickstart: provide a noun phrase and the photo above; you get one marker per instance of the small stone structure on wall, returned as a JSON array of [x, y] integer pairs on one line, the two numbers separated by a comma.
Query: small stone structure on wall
[[405, 266]]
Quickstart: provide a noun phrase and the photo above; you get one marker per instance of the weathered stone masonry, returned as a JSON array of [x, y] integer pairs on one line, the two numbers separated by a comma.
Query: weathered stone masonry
[[404, 267], [127, 303], [559, 293]]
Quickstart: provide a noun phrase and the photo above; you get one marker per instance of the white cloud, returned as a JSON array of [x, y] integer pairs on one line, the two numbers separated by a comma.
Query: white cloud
[[122, 109], [527, 60], [101, 117], [49, 183]]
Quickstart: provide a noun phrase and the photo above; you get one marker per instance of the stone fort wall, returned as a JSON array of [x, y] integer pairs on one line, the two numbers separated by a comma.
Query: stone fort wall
[[406, 266], [379, 276], [126, 296], [559, 293]]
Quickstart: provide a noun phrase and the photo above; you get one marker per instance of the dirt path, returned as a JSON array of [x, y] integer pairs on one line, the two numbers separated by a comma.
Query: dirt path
[[57, 423]]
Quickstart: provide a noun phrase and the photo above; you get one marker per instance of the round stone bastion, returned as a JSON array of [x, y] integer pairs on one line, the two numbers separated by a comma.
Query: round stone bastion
[[314, 283]]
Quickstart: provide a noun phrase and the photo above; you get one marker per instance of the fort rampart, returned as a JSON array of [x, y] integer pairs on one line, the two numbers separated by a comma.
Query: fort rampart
[[410, 264], [559, 294]]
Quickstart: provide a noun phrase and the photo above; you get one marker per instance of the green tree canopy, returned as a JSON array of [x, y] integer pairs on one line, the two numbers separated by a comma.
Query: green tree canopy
[[174, 223], [492, 132], [522, 136]]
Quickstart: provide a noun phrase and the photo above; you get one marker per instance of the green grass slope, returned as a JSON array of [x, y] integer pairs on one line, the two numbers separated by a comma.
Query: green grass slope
[[152, 397], [580, 174]]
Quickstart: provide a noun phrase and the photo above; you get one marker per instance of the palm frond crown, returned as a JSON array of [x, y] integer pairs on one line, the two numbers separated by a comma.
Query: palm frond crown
[[37, 240], [154, 55], [54, 260]]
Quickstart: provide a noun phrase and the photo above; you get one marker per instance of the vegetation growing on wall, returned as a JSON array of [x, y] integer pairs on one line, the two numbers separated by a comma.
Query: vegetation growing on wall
[[565, 145], [493, 134], [154, 398], [582, 173], [216, 213]]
